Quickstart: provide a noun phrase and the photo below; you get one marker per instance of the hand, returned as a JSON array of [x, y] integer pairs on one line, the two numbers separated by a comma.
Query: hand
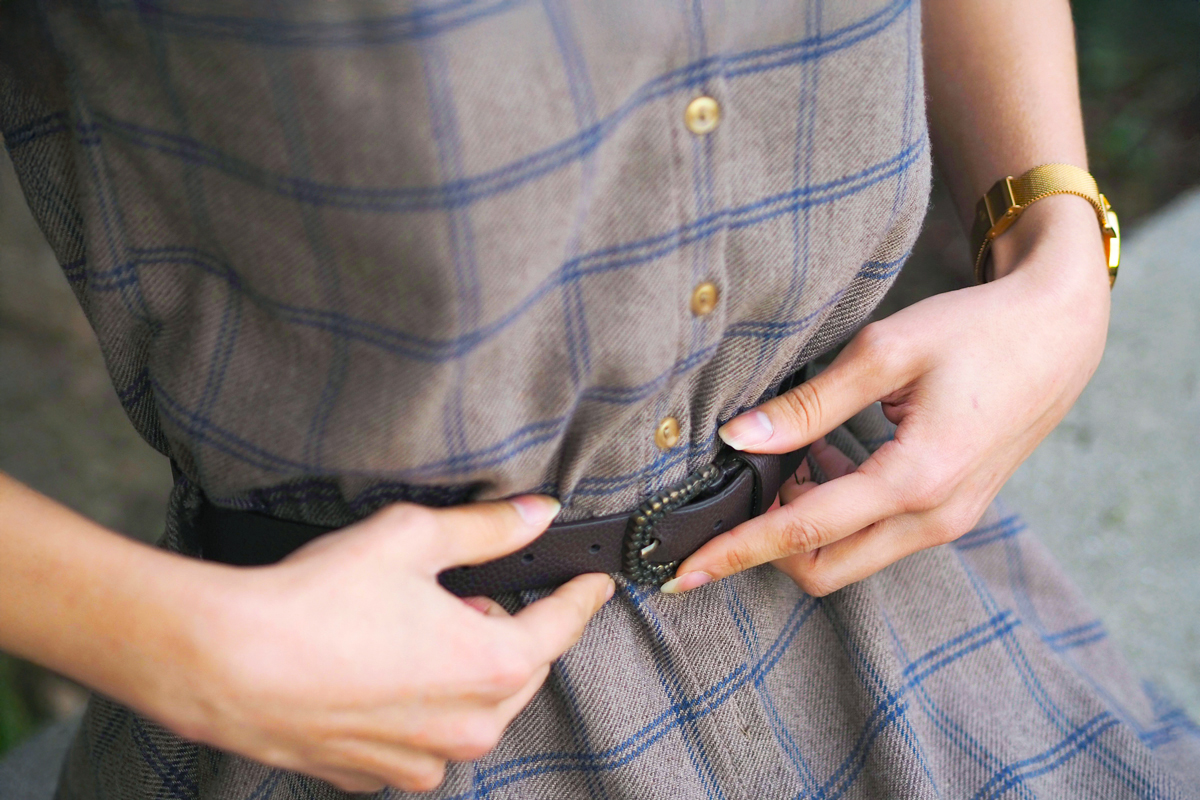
[[348, 661], [974, 380]]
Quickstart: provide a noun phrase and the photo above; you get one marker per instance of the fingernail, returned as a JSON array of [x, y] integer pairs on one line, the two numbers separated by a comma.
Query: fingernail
[[612, 588], [480, 604], [537, 510], [685, 582], [748, 430]]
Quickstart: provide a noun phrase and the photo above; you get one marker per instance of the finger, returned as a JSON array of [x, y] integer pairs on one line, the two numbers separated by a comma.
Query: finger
[[394, 765], [800, 482], [508, 709], [348, 781], [816, 518], [480, 532], [554, 623], [832, 461], [869, 368], [859, 555], [470, 733], [486, 606]]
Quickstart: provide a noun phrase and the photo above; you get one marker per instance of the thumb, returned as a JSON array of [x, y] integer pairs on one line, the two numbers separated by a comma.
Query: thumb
[[554, 623], [863, 372], [479, 532]]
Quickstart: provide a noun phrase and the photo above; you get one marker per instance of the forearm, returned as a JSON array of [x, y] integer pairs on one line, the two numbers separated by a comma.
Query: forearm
[[1004, 97], [105, 610], [1003, 91]]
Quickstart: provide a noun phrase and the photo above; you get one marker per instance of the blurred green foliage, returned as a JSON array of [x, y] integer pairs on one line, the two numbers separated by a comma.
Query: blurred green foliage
[[17, 713], [1139, 73]]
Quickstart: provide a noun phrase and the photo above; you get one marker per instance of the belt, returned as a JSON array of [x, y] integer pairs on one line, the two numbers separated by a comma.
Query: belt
[[646, 545]]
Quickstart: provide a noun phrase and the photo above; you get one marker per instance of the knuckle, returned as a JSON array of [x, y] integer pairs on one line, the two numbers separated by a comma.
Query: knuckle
[[937, 532], [952, 525], [506, 671], [874, 337], [405, 515], [736, 560], [503, 524], [495, 523], [803, 405], [881, 349], [928, 489], [475, 739], [401, 532], [817, 584], [800, 536]]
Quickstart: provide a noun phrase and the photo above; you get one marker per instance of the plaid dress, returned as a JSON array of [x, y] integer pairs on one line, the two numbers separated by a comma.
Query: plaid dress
[[341, 254]]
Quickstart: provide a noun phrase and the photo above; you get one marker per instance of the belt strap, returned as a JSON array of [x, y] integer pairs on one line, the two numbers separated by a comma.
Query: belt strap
[[744, 486], [646, 545]]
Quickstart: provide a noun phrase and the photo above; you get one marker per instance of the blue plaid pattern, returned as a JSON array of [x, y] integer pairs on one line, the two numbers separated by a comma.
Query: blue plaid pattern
[[351, 284], [972, 670], [340, 255]]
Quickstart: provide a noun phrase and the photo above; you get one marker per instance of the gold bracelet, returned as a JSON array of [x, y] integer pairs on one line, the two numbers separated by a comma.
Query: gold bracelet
[[1008, 197]]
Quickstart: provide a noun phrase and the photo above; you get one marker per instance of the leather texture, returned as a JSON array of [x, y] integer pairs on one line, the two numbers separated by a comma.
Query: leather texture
[[247, 538]]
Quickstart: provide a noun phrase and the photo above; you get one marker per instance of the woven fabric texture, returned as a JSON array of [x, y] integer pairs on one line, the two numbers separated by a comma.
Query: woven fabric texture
[[342, 254], [452, 248]]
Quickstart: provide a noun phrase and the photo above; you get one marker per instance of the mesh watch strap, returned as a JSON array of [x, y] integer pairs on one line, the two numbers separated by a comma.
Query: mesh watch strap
[[1008, 197]]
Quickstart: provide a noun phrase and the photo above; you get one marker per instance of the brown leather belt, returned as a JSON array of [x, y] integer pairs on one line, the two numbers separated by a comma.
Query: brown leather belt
[[646, 545]]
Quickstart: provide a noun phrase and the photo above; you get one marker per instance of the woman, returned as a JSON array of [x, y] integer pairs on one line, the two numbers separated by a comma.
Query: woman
[[350, 266]]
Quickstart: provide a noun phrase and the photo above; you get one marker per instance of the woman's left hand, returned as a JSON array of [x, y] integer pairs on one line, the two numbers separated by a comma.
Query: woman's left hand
[[974, 379]]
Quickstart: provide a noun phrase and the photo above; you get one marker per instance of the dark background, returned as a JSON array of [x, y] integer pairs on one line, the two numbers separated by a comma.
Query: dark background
[[1139, 75], [62, 431]]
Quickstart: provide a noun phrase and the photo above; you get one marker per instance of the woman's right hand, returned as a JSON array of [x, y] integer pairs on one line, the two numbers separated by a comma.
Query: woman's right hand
[[348, 661]]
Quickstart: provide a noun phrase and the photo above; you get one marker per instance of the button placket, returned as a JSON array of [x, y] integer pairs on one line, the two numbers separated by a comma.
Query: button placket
[[701, 116]]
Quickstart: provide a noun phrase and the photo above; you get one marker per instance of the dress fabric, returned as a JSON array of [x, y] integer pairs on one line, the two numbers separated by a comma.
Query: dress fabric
[[343, 254]]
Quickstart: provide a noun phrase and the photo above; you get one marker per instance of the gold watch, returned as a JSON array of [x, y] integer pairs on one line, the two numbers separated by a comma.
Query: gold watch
[[1004, 202]]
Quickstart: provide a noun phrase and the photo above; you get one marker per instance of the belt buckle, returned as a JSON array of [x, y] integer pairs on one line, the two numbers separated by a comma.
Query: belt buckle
[[640, 540]]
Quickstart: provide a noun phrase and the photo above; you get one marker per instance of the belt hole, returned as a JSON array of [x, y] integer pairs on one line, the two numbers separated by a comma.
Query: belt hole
[[527, 558], [594, 549], [718, 524]]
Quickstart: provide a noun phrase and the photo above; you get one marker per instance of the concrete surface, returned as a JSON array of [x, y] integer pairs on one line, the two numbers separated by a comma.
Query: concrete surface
[[30, 772], [1114, 491]]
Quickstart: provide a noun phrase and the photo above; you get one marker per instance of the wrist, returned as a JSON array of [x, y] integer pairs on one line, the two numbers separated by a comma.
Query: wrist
[[184, 681], [147, 633], [1053, 260], [116, 615], [1064, 225]]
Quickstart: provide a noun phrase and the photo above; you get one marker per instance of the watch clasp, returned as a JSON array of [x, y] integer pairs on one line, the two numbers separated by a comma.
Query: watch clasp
[[1112, 240], [1002, 208]]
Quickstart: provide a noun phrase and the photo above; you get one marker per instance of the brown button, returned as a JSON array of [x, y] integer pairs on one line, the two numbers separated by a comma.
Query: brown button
[[702, 115], [666, 435], [704, 298]]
